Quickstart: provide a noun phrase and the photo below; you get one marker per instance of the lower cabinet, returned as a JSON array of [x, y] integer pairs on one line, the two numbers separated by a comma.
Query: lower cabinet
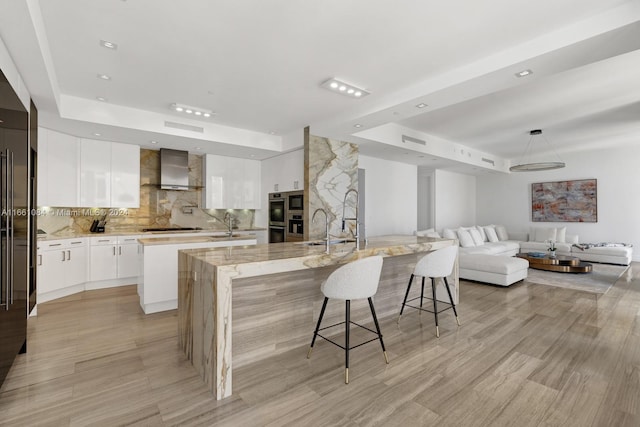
[[114, 257], [62, 264]]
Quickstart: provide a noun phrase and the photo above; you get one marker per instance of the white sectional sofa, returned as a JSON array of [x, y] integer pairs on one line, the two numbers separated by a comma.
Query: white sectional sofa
[[487, 253]]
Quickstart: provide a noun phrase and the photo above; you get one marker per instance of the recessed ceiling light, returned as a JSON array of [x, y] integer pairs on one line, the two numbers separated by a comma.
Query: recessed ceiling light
[[198, 148], [1, 121], [344, 88], [524, 73], [197, 111], [101, 98], [104, 77], [357, 125], [273, 132], [108, 44], [154, 142], [421, 105], [96, 134]]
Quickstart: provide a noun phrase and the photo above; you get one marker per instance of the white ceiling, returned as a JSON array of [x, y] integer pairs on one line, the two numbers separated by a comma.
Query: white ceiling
[[259, 65]]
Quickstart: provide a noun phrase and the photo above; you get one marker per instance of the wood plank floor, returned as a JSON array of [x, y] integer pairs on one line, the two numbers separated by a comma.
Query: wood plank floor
[[529, 355]]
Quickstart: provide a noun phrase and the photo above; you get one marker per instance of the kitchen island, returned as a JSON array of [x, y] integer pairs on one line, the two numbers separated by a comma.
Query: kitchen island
[[158, 269], [266, 298]]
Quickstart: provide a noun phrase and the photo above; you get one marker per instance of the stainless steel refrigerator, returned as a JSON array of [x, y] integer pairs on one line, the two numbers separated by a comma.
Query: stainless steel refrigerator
[[15, 236]]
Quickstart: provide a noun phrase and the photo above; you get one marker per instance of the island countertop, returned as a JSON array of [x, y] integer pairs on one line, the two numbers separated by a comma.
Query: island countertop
[[178, 240], [314, 255], [205, 290]]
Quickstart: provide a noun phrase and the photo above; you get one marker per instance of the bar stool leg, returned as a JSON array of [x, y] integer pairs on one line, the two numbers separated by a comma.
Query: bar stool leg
[[435, 305], [406, 295], [375, 321], [315, 333], [346, 338], [421, 296], [446, 284]]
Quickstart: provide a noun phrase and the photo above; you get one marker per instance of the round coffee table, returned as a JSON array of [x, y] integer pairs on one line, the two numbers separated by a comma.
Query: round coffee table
[[559, 263]]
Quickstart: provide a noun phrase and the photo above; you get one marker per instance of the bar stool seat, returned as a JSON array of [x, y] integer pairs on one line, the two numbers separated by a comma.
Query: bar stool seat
[[435, 265], [356, 280]]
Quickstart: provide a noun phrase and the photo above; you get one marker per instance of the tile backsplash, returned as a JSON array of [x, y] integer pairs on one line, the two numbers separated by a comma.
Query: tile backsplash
[[158, 208]]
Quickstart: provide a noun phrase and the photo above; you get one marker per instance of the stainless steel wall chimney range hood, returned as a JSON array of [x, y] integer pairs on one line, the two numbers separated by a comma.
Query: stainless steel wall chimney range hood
[[174, 169]]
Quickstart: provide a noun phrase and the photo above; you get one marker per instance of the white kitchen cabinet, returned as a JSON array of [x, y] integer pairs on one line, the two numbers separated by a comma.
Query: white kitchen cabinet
[[58, 169], [125, 176], [286, 172], [231, 183], [95, 173], [114, 257], [62, 265]]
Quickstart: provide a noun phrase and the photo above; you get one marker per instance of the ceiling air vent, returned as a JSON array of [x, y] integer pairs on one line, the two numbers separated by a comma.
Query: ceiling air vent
[[183, 127], [406, 138], [484, 159]]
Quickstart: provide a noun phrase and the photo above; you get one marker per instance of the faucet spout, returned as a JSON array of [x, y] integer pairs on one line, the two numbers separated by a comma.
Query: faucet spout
[[326, 226], [356, 218]]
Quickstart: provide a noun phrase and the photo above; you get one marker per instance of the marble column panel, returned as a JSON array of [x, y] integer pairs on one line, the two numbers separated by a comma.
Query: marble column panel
[[332, 171]]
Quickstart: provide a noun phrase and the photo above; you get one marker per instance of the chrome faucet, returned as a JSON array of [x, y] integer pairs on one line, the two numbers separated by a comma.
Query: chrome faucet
[[356, 219], [228, 220], [326, 225]]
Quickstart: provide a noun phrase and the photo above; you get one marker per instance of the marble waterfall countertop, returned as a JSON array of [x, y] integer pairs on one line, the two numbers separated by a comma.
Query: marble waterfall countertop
[[205, 290]]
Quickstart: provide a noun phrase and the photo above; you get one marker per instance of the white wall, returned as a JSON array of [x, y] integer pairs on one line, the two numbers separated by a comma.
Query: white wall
[[455, 199], [283, 170], [506, 199], [10, 71], [390, 196], [425, 198]]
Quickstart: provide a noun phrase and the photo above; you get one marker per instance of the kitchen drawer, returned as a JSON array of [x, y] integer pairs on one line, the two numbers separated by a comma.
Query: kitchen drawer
[[104, 240], [128, 240], [61, 244]]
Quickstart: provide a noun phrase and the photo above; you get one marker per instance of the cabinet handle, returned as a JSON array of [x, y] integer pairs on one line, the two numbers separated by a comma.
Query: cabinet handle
[[39, 259], [68, 255], [114, 251], [64, 258], [55, 244], [75, 243], [119, 250], [103, 240]]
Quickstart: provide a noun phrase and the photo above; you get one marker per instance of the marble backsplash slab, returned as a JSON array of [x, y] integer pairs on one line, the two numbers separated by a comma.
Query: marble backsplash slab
[[158, 208]]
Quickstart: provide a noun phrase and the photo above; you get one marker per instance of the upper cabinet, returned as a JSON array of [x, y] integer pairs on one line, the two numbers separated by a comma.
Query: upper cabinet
[[75, 172], [58, 168], [95, 173], [283, 173], [230, 183], [125, 175], [109, 174]]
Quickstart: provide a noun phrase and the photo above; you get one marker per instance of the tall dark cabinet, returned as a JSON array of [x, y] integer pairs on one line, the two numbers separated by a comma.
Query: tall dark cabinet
[[15, 237]]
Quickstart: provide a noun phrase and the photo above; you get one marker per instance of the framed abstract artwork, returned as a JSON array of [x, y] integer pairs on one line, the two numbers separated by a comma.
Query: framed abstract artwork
[[565, 201]]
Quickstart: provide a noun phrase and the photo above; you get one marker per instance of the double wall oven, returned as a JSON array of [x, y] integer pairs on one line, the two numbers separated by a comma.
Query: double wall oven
[[286, 216]]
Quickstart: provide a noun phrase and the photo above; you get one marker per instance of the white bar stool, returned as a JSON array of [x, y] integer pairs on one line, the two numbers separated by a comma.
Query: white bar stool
[[436, 264], [356, 280]]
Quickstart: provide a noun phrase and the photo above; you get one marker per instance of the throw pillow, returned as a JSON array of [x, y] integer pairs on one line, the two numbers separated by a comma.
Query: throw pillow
[[501, 231], [545, 234], [423, 232], [482, 233], [477, 238], [465, 238], [448, 233], [561, 233], [491, 234]]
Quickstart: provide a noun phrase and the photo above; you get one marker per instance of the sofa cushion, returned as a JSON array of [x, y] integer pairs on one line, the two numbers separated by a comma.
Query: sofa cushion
[[493, 264], [465, 238], [491, 234], [501, 231], [561, 233], [477, 238], [542, 234], [482, 233], [449, 233]]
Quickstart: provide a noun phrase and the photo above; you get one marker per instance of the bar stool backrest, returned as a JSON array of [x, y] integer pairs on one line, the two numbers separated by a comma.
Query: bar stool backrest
[[355, 280], [437, 263]]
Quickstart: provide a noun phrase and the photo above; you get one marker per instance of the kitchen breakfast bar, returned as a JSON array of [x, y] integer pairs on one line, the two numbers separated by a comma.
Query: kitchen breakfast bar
[[265, 299]]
